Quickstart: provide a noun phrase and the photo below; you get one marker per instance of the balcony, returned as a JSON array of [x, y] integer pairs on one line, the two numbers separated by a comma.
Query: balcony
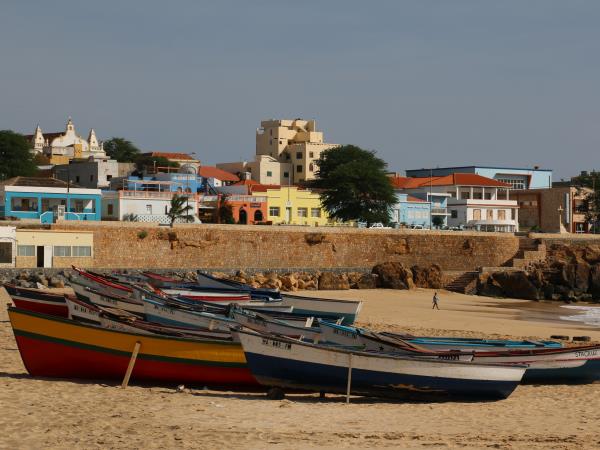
[[439, 212]]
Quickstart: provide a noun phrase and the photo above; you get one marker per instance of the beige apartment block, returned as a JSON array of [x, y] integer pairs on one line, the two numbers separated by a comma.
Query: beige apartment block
[[286, 151], [555, 210]]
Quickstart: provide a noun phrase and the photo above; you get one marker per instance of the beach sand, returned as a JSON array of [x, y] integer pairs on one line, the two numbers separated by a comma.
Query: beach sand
[[43, 413]]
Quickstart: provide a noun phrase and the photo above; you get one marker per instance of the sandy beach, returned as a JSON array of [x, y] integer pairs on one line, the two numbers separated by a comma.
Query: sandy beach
[[44, 413]]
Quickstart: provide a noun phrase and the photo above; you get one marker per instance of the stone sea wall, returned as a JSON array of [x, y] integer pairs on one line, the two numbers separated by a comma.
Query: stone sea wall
[[258, 248]]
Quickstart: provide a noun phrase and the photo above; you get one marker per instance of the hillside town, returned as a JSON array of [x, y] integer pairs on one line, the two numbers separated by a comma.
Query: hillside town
[[80, 182]]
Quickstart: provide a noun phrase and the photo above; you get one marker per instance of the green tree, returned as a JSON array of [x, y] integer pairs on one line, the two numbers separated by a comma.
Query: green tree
[[354, 185], [180, 209], [16, 158], [121, 149], [225, 211], [591, 202], [147, 161], [437, 221]]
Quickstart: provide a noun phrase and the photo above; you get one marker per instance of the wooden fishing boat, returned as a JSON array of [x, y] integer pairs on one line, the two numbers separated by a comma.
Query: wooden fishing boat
[[104, 298], [56, 347], [222, 298], [168, 315], [347, 335], [265, 324], [37, 300], [544, 365], [288, 363], [347, 310], [102, 284]]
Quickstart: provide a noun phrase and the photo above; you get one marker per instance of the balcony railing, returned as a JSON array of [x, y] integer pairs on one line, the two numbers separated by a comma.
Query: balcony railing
[[439, 211]]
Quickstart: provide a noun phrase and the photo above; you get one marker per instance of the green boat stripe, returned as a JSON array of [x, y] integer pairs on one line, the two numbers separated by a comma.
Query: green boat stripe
[[144, 356]]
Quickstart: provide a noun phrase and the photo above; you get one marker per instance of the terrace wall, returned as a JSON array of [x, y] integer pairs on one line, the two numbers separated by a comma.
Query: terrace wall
[[222, 247]]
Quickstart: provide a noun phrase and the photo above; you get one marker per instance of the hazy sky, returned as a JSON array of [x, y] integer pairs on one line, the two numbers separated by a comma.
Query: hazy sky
[[424, 83]]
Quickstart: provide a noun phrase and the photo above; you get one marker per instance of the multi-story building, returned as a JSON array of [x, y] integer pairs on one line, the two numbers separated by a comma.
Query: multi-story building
[[473, 201], [517, 178], [61, 147], [92, 173], [149, 200], [48, 200], [560, 209], [286, 151]]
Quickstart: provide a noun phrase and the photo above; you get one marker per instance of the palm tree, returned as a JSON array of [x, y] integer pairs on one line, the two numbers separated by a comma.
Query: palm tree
[[180, 209]]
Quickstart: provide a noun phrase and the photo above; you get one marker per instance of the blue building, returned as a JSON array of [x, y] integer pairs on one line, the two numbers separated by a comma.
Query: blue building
[[518, 178], [419, 210], [167, 181], [47, 200]]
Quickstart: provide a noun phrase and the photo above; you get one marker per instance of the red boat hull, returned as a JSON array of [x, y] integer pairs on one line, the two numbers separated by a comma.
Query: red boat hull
[[52, 309], [43, 358]]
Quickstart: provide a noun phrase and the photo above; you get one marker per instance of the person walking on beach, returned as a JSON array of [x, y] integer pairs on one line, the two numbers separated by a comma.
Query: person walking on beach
[[435, 301]]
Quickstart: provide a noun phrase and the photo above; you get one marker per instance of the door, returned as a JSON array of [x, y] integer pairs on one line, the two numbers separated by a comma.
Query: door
[[288, 215], [243, 216], [47, 256], [40, 256]]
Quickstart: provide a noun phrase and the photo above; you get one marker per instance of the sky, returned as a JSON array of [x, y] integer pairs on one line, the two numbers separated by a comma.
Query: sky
[[424, 83]]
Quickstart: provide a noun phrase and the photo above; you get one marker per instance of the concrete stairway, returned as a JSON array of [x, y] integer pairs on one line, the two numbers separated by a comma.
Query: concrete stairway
[[465, 283], [530, 251]]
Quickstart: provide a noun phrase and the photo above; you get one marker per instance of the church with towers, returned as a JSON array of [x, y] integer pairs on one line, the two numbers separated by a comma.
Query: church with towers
[[61, 147]]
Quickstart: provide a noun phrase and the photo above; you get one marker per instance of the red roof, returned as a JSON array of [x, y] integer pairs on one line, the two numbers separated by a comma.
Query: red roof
[[167, 155], [246, 183], [410, 198], [214, 172], [264, 187], [455, 179]]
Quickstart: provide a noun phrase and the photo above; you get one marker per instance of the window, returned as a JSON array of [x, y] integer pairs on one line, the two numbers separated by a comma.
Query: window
[[108, 177], [311, 167], [24, 204], [315, 212], [298, 155], [26, 250], [311, 154], [269, 173], [302, 212], [465, 195], [476, 214], [62, 250], [501, 214], [274, 211], [91, 177], [515, 183], [148, 209], [454, 213], [490, 214], [286, 174], [287, 156], [299, 168], [110, 209], [477, 196], [82, 250], [78, 206], [488, 195]]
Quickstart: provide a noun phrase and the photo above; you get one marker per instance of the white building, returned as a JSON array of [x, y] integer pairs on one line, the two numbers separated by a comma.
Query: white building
[[150, 204], [93, 173], [474, 202], [60, 147], [8, 246]]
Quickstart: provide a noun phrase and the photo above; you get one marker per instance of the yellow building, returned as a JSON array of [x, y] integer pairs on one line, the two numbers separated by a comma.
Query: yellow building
[[290, 205], [54, 248]]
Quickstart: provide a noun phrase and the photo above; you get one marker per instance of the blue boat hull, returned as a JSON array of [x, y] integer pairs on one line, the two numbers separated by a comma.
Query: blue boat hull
[[587, 373], [298, 375]]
